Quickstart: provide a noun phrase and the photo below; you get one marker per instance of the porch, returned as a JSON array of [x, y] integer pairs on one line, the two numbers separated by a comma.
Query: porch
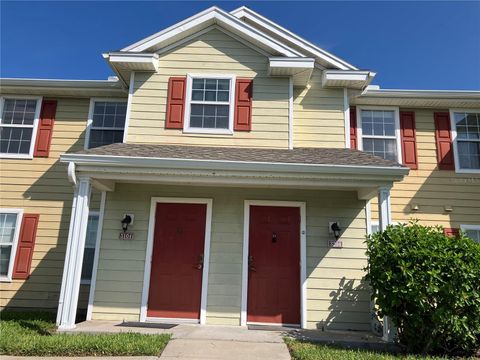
[[331, 293]]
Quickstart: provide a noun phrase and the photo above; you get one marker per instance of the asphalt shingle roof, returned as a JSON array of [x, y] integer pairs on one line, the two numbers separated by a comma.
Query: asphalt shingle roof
[[323, 156]]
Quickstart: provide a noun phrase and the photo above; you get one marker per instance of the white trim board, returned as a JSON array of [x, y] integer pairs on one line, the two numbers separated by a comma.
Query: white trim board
[[149, 253], [303, 255]]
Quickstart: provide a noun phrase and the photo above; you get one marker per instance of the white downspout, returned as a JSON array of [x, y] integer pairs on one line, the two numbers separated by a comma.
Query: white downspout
[[346, 116], [290, 113]]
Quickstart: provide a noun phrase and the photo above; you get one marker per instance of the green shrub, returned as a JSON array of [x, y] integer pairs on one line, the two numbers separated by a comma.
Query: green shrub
[[428, 284]]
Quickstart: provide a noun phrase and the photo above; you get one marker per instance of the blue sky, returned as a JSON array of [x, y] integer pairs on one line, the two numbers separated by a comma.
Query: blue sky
[[414, 45]]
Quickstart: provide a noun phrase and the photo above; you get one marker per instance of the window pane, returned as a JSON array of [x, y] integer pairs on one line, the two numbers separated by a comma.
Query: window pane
[[7, 227], [385, 148], [15, 140], [223, 84], [5, 252], [209, 116], [198, 84], [469, 154], [104, 137], [90, 241], [222, 96], [197, 95], [473, 234], [87, 266], [19, 111]]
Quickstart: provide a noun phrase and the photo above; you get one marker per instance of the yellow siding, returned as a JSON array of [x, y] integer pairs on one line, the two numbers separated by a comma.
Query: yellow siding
[[213, 52], [334, 274], [318, 117], [433, 189], [40, 186]]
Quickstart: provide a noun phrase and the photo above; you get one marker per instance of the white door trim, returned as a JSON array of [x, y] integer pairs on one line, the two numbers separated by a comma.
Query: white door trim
[[148, 255], [303, 255]]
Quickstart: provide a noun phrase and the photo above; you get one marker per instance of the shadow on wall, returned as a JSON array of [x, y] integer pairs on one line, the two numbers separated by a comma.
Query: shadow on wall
[[50, 196]]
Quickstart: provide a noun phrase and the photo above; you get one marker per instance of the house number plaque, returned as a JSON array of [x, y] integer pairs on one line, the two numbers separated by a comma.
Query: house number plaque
[[125, 235]]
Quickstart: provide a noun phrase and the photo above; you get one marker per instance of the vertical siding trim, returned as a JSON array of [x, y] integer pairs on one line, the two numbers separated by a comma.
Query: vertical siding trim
[[303, 255], [129, 107], [96, 256], [346, 116], [290, 113]]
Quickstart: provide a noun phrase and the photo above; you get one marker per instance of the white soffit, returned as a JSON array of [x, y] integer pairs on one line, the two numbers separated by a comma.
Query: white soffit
[[299, 68], [204, 19], [133, 62], [419, 98], [273, 29], [354, 79]]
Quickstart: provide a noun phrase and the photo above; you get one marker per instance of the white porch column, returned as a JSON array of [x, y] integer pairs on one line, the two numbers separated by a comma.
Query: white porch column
[[385, 219], [72, 270]]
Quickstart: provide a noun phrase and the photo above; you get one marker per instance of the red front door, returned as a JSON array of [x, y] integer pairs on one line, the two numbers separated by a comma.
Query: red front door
[[274, 265], [177, 259]]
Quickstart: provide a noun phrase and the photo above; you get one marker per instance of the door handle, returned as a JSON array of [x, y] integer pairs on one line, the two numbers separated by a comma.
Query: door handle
[[251, 266], [200, 262]]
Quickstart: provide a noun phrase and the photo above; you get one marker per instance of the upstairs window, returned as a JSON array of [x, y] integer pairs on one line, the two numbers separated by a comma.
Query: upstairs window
[[467, 140], [209, 107], [106, 123], [379, 133], [18, 123]]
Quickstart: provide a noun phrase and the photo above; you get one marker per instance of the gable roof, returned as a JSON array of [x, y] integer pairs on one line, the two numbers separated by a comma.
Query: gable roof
[[256, 29]]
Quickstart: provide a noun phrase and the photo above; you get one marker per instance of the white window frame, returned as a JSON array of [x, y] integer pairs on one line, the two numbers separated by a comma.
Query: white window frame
[[465, 227], [90, 118], [13, 253], [97, 214], [396, 112], [453, 127], [188, 102], [34, 126]]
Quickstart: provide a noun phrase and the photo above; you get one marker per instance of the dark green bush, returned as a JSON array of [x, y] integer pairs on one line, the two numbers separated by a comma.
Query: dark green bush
[[428, 284]]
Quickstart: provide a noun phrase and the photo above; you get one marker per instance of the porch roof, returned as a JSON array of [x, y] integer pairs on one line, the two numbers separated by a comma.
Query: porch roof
[[300, 168], [311, 156]]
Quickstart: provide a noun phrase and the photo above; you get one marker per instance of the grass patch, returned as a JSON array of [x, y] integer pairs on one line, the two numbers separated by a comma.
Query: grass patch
[[34, 334], [303, 350]]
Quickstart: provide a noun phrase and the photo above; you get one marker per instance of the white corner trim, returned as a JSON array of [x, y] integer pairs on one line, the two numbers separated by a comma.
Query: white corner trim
[[96, 257], [290, 112], [93, 100], [18, 225], [129, 106], [346, 116], [231, 103], [303, 255], [396, 111], [39, 100], [149, 253], [453, 129]]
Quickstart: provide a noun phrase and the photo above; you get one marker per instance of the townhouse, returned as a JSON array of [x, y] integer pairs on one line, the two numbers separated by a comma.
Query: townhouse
[[228, 175]]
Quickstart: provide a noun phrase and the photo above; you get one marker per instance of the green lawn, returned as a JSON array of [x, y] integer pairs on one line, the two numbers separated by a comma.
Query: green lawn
[[34, 334], [310, 351]]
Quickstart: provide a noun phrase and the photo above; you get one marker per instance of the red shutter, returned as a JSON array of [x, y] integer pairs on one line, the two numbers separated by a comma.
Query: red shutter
[[175, 103], [45, 128], [353, 127], [409, 142], [443, 137], [26, 243], [453, 232], [243, 105]]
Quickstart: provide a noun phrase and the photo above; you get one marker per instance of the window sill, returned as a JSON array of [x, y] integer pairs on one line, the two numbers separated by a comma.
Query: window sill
[[467, 171], [5, 280], [208, 131], [16, 156]]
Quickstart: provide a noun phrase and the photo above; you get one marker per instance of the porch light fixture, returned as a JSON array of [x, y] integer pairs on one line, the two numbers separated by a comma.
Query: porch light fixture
[[127, 220], [335, 230]]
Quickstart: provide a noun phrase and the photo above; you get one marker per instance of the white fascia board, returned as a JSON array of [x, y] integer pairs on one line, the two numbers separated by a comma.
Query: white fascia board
[[128, 58], [430, 94], [111, 160], [244, 12], [346, 75], [285, 62], [208, 17], [60, 83]]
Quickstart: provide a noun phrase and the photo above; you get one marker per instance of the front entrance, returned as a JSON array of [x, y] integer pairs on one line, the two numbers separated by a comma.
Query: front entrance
[[177, 261], [274, 265]]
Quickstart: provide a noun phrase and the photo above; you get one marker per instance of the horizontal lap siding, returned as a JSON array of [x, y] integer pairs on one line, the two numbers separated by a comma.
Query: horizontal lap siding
[[334, 274], [434, 189], [318, 117], [212, 52], [41, 186]]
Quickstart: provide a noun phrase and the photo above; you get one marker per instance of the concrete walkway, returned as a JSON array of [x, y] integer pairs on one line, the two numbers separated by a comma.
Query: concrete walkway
[[194, 342]]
